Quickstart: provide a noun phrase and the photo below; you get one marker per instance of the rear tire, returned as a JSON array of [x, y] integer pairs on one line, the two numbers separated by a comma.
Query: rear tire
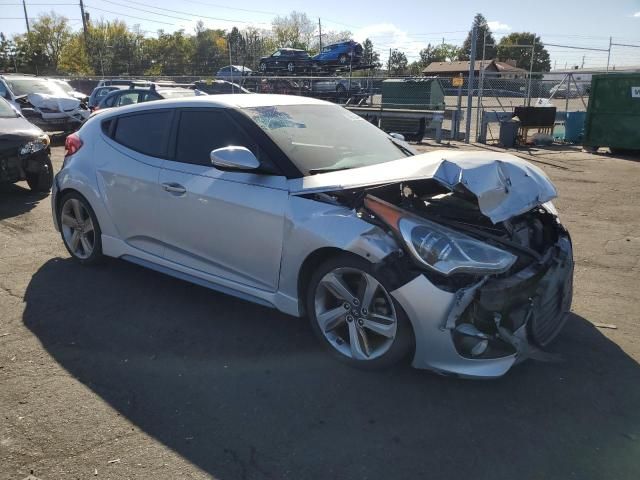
[[79, 229], [382, 332], [42, 181]]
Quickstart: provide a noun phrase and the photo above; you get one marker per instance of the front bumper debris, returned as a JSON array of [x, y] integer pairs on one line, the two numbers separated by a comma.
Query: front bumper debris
[[516, 316]]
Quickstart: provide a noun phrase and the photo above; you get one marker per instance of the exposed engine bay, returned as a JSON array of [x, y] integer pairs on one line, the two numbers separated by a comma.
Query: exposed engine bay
[[510, 313]]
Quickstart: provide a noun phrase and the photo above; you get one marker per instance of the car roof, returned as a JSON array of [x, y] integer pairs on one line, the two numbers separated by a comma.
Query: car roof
[[229, 100]]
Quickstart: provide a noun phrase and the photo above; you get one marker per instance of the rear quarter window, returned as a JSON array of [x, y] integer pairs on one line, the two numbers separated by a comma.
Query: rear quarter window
[[146, 133]]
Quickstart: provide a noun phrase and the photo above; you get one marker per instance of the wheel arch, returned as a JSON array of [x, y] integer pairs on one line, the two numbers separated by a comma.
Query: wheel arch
[[309, 265]]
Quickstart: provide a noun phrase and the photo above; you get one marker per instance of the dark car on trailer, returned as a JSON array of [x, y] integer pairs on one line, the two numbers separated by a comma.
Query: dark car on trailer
[[290, 60], [24, 151]]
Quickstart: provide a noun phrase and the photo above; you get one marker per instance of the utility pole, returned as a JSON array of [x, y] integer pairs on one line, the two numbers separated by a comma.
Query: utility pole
[[389, 65], [26, 18], [320, 32], [608, 55], [472, 70], [84, 25], [582, 67]]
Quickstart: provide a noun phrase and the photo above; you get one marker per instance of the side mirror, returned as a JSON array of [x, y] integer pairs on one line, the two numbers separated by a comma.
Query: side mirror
[[234, 158], [397, 136]]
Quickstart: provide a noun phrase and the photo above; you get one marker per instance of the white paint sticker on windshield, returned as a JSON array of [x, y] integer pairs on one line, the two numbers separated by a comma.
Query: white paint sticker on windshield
[[635, 92]]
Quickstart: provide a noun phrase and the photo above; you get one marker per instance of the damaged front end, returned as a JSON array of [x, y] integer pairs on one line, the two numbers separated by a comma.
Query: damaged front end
[[485, 273], [53, 113]]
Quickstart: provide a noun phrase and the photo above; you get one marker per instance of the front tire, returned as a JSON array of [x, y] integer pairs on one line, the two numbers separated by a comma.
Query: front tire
[[80, 230], [42, 181], [354, 316]]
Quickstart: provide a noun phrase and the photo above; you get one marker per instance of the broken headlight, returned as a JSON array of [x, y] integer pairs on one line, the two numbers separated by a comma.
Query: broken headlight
[[35, 145], [448, 251]]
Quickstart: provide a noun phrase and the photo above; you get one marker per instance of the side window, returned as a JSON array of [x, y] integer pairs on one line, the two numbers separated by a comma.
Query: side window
[[3, 91], [276, 53], [128, 98], [148, 96], [225, 69], [201, 131], [145, 132], [109, 102]]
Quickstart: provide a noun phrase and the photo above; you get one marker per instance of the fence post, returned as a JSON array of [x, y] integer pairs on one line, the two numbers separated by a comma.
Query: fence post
[[472, 71], [456, 126]]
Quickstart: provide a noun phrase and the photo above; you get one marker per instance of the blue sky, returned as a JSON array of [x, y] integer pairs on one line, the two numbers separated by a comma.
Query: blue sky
[[404, 24]]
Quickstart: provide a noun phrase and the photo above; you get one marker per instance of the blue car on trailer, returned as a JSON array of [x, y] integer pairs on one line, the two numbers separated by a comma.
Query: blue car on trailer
[[339, 54]]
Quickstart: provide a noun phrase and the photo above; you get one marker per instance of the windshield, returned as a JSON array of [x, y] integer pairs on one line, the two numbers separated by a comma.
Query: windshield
[[6, 110], [324, 137], [25, 86], [64, 85]]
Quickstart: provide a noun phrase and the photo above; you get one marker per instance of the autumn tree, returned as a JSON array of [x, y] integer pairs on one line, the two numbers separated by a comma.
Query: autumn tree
[[294, 30]]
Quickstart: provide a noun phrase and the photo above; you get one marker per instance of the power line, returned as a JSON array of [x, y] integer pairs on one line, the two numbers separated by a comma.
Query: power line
[[130, 16]]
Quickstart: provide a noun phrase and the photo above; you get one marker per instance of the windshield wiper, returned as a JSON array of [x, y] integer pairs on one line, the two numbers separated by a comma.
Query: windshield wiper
[[401, 147], [313, 171]]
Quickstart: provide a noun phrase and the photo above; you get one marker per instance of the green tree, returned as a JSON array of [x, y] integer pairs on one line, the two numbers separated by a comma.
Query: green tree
[[522, 56], [444, 52], [369, 55], [74, 59], [488, 42], [397, 63]]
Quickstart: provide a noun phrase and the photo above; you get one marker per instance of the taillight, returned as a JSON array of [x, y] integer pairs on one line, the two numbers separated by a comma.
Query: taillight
[[72, 144]]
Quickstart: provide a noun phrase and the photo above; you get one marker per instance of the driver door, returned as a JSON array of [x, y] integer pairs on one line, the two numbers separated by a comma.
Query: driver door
[[224, 223]]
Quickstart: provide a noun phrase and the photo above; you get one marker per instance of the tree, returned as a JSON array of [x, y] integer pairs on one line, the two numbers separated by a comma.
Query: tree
[[398, 63], [444, 52], [488, 42], [294, 30], [40, 50], [8, 54], [522, 56], [369, 55]]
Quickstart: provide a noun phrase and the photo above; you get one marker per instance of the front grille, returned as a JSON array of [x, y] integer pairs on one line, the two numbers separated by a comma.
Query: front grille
[[551, 305]]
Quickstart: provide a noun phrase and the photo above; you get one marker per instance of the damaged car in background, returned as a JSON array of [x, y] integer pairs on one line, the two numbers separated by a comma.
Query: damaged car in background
[[44, 102], [24, 151], [457, 260]]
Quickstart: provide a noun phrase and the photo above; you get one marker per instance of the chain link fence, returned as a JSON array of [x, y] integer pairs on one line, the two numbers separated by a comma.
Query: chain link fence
[[436, 106]]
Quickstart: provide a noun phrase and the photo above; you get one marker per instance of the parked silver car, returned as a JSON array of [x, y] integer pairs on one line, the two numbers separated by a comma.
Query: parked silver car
[[455, 258]]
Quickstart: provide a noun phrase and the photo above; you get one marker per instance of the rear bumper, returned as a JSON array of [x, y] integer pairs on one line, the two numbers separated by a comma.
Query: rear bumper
[[516, 316]]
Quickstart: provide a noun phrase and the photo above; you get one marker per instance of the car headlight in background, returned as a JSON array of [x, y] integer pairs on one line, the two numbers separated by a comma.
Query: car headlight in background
[[35, 145], [550, 208], [439, 248], [448, 251]]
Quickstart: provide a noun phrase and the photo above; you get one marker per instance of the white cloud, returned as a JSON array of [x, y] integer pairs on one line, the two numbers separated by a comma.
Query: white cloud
[[386, 36], [497, 26], [637, 14]]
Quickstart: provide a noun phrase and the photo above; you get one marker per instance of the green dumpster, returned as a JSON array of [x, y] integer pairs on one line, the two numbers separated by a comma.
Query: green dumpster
[[613, 116], [421, 93]]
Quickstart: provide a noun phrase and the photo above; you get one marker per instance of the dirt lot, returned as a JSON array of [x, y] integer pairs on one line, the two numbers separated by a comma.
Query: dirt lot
[[119, 372]]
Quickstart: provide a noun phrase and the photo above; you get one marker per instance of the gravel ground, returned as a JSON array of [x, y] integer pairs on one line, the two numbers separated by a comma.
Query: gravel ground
[[118, 372]]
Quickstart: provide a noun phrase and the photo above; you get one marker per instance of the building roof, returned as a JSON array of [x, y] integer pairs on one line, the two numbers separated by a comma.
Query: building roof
[[507, 67], [462, 66]]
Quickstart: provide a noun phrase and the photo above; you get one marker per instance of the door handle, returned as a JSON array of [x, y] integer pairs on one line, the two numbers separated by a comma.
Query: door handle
[[174, 188]]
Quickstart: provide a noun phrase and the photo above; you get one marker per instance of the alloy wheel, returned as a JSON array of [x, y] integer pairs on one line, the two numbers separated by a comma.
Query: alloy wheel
[[355, 313], [77, 227]]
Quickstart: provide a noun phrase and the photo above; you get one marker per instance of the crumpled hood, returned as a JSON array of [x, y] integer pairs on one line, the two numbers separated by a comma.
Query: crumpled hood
[[503, 184], [53, 102]]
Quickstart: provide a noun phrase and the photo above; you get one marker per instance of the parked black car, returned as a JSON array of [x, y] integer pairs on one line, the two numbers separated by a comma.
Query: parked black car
[[288, 59], [24, 151]]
